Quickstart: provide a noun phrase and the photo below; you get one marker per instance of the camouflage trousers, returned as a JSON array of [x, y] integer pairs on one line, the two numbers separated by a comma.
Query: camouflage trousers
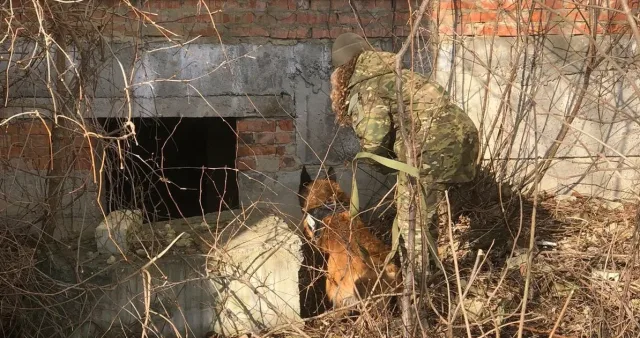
[[426, 219]]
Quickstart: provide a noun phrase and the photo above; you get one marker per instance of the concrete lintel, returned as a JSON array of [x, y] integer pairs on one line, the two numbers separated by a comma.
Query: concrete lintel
[[210, 106]]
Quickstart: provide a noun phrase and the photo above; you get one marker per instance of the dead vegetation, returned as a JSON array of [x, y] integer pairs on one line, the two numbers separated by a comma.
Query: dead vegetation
[[584, 279]]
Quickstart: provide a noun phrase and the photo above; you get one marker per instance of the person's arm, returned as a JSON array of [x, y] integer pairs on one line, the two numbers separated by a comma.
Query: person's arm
[[371, 119]]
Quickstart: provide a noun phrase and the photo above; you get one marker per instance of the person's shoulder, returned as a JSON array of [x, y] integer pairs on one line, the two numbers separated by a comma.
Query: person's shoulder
[[376, 57]]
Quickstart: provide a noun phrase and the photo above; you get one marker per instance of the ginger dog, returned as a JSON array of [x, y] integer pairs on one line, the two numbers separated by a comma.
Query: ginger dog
[[355, 257]]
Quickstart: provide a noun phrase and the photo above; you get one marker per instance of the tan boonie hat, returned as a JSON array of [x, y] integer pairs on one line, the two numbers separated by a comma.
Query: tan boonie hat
[[346, 46]]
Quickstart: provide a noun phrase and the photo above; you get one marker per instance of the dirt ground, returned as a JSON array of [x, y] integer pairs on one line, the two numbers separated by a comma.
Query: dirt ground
[[584, 280]]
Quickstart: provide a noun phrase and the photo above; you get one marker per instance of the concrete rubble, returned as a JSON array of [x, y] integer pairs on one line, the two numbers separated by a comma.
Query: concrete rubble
[[112, 233], [246, 283]]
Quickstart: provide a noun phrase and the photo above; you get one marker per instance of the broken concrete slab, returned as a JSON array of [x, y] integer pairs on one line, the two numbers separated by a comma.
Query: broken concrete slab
[[112, 233], [246, 282], [259, 285]]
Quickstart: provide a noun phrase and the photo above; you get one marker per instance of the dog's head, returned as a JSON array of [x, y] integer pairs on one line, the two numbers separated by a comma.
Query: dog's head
[[318, 199]]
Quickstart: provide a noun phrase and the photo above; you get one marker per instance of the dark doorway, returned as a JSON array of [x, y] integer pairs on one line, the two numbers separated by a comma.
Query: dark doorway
[[176, 170]]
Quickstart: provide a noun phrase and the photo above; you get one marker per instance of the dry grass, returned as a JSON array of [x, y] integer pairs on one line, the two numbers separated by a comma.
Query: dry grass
[[568, 295]]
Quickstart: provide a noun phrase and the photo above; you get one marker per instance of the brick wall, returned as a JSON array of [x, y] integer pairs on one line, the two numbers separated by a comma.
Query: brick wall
[[266, 145], [510, 18], [28, 141], [321, 19], [277, 19]]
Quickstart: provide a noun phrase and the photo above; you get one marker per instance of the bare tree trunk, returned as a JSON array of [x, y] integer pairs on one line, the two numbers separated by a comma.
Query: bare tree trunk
[[61, 144], [411, 182]]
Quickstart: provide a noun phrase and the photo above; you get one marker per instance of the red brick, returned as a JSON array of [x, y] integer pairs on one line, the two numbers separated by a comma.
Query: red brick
[[402, 17], [285, 125], [42, 163], [245, 163], [384, 4], [300, 33], [376, 31], [347, 18], [366, 5], [258, 5], [280, 4], [83, 142], [618, 29], [266, 19], [39, 140], [207, 30], [312, 18], [402, 5], [258, 31], [507, 30], [245, 18], [555, 4], [487, 29], [264, 138], [38, 128], [231, 4], [611, 16], [464, 4], [246, 137], [401, 31], [279, 33], [340, 5], [222, 18], [38, 152], [256, 125], [84, 153], [320, 5], [575, 15], [15, 151], [237, 31], [284, 137], [255, 150], [281, 150], [82, 164], [538, 16], [285, 18], [297, 33], [479, 17], [336, 31], [320, 33]]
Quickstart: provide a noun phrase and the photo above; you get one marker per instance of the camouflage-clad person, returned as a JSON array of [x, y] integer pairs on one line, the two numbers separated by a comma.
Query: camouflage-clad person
[[364, 96]]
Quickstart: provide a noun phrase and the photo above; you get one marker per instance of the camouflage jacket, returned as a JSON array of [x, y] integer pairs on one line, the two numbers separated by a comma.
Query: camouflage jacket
[[447, 137]]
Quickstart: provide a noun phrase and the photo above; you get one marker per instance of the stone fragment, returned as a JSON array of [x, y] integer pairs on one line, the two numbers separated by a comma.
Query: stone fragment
[[565, 198], [612, 205], [115, 229]]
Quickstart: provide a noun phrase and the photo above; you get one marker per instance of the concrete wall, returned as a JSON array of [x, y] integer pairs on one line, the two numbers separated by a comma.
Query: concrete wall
[[599, 155]]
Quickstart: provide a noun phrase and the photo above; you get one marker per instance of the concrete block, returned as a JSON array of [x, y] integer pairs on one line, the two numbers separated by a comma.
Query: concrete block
[[179, 298], [254, 264], [257, 280], [115, 228]]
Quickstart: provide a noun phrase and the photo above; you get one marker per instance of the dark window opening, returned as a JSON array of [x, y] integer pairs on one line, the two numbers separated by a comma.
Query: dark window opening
[[163, 174]]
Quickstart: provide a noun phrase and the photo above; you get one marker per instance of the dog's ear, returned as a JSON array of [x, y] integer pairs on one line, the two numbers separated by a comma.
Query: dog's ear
[[305, 178], [332, 174]]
